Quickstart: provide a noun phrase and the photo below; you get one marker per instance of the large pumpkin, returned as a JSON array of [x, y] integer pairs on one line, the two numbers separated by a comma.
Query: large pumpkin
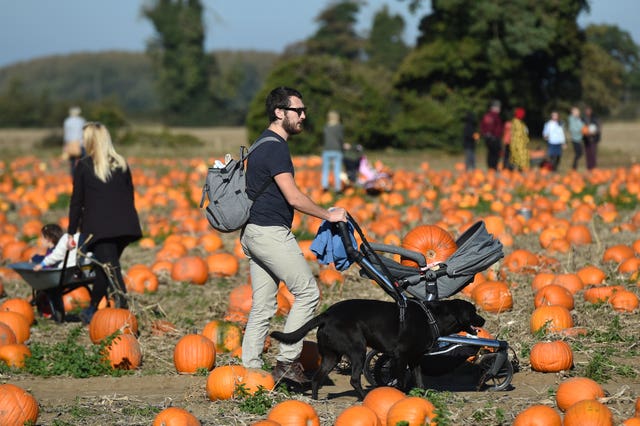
[[435, 243], [554, 294], [18, 324], [17, 406], [413, 410], [588, 412], [255, 378], [107, 321], [577, 389], [294, 412], [555, 318], [190, 269], [7, 336], [493, 296], [225, 335], [538, 415], [124, 352], [381, 399], [357, 415], [14, 354], [551, 357], [222, 381], [222, 264], [175, 416], [20, 306], [193, 352]]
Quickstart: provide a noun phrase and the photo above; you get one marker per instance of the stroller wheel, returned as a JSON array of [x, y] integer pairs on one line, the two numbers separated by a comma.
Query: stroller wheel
[[378, 370], [501, 380]]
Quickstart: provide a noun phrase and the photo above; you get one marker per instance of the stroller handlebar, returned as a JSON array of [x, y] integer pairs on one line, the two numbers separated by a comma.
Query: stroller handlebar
[[409, 254], [345, 236]]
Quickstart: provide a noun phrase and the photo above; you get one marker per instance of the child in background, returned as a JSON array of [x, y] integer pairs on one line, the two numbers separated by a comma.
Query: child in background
[[56, 241]]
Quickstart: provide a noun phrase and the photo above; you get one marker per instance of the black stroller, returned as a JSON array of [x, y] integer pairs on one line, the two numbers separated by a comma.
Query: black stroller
[[49, 286], [492, 365]]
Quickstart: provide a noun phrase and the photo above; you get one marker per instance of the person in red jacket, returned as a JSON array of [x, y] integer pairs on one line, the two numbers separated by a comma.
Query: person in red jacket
[[491, 128]]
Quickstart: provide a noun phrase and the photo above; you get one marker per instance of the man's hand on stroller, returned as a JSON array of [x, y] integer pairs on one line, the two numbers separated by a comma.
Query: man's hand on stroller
[[337, 214]]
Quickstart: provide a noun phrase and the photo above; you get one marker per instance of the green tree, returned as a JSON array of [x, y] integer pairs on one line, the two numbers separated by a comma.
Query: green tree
[[470, 51], [385, 46], [360, 93], [336, 35], [178, 52]]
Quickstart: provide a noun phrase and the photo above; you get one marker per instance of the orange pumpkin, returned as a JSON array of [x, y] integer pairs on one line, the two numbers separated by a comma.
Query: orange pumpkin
[[107, 321], [358, 415], [294, 412], [330, 276], [76, 298], [222, 264], [538, 415], [554, 318], [255, 379], [191, 269], [124, 352], [175, 416], [14, 354], [588, 412], [591, 275], [193, 352], [551, 357], [576, 389], [579, 235], [571, 282], [225, 335], [18, 324], [493, 296], [617, 253], [435, 243], [222, 381], [20, 306], [7, 336], [624, 301], [381, 399], [553, 294], [18, 406], [141, 280], [600, 294], [414, 411]]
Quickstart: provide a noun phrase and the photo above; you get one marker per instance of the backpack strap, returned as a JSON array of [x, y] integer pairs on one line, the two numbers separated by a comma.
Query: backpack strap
[[244, 156]]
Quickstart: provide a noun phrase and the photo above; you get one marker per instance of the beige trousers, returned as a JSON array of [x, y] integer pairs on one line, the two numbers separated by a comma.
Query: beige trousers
[[274, 256]]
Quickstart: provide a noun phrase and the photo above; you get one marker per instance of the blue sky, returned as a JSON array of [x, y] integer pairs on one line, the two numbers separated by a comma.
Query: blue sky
[[33, 28]]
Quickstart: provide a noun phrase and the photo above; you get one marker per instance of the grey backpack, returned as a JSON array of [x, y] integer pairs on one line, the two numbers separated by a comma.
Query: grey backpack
[[225, 188]]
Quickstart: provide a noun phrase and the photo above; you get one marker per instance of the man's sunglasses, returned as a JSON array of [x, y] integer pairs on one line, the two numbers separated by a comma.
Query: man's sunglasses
[[299, 111]]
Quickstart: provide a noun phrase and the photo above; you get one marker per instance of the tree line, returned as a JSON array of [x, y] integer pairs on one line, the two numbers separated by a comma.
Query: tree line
[[468, 52]]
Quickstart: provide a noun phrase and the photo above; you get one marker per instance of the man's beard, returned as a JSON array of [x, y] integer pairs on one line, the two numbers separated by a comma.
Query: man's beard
[[292, 128]]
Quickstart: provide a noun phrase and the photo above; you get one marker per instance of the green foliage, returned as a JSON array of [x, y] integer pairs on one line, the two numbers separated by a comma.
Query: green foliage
[[440, 400], [336, 35], [180, 60], [259, 403], [385, 46], [360, 94], [70, 358]]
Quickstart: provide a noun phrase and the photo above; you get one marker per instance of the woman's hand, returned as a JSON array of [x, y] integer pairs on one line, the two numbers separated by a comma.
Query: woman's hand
[[71, 243], [37, 267]]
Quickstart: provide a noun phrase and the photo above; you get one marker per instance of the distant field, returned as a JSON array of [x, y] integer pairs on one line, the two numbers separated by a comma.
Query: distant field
[[620, 146]]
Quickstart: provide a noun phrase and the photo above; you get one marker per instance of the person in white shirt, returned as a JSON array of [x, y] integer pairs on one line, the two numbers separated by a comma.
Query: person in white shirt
[[73, 147], [56, 241], [553, 133]]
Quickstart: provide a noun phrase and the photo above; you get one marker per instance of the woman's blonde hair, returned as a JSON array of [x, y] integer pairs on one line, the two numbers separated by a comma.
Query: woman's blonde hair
[[97, 141], [333, 117]]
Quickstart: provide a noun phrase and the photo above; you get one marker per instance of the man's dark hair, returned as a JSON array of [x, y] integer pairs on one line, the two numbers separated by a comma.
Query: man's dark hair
[[278, 98]]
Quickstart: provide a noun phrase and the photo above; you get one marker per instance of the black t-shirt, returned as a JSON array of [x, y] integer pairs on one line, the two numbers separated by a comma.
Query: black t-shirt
[[271, 158]]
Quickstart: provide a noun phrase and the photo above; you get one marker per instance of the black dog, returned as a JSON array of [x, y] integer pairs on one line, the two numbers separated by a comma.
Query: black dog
[[348, 327]]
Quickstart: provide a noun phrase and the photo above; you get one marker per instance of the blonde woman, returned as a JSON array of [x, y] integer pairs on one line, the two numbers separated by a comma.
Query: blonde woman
[[102, 206]]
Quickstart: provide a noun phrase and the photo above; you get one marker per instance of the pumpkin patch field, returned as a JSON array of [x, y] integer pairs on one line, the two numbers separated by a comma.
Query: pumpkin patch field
[[564, 297]]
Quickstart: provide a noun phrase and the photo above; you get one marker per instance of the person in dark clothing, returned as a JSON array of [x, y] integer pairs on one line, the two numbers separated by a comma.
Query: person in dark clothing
[[102, 206], [351, 160], [469, 140], [592, 133], [268, 242], [491, 128]]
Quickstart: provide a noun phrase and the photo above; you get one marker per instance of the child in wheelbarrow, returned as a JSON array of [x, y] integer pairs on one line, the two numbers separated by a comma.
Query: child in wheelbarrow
[[56, 241]]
